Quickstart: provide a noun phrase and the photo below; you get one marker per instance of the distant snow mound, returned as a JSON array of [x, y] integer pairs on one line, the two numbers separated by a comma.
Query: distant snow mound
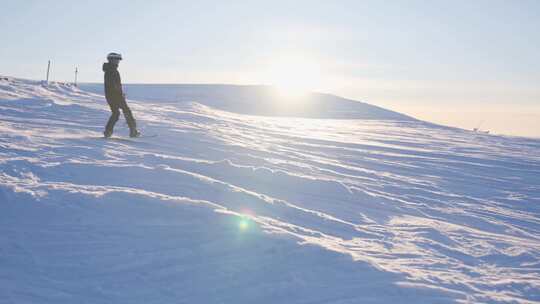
[[15, 89], [257, 100]]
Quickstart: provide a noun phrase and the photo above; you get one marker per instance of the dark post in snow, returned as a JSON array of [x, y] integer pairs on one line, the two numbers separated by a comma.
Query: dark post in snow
[[76, 71], [48, 68]]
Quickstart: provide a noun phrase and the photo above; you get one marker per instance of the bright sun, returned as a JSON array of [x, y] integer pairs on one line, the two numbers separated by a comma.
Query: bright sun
[[294, 76]]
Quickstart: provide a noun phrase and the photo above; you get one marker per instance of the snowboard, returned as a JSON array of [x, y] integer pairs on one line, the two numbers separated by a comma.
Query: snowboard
[[127, 138]]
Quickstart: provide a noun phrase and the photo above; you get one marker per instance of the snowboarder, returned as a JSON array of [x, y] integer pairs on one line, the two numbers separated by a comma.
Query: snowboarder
[[115, 97]]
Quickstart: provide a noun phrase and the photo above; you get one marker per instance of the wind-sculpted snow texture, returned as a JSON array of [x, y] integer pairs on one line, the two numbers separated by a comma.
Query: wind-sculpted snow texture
[[231, 208]]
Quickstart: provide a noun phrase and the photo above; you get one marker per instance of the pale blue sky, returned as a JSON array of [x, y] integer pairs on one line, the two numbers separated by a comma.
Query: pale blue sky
[[425, 58]]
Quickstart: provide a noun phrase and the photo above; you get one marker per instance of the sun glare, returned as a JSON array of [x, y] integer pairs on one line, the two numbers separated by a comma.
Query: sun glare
[[294, 76]]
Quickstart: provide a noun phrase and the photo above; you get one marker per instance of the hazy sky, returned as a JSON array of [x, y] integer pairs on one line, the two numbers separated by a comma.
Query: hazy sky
[[452, 62]]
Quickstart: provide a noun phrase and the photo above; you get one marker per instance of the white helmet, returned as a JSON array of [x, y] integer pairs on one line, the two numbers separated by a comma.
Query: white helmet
[[114, 56]]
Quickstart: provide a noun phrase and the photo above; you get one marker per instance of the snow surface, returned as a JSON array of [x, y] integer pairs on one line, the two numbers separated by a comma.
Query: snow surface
[[224, 207], [257, 100]]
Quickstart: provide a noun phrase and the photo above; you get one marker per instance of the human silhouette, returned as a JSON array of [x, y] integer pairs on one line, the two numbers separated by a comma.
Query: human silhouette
[[115, 96]]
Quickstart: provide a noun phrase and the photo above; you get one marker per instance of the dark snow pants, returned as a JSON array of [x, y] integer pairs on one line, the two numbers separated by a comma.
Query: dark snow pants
[[115, 106]]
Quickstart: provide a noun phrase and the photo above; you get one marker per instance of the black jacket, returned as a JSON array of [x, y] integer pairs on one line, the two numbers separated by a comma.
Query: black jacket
[[113, 84]]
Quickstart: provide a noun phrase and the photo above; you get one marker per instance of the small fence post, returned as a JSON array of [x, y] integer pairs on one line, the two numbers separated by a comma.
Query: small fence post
[[48, 69]]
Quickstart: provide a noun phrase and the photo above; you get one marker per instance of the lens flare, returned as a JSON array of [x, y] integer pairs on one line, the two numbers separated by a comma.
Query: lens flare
[[243, 224]]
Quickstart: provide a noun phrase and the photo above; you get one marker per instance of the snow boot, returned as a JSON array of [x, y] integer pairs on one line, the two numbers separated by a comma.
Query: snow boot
[[134, 133], [107, 133]]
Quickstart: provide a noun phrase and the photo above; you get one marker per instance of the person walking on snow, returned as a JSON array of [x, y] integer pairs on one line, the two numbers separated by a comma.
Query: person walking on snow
[[115, 96]]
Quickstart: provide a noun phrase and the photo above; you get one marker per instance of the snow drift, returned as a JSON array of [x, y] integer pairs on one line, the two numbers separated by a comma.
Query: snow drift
[[224, 207]]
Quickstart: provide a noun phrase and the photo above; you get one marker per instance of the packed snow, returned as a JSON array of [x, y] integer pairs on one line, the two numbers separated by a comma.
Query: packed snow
[[227, 207]]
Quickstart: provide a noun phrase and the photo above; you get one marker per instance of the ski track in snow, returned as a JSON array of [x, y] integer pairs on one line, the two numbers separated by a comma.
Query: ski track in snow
[[340, 211]]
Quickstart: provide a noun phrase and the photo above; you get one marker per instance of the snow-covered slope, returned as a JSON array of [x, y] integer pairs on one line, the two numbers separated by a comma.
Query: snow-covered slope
[[256, 100], [231, 208]]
